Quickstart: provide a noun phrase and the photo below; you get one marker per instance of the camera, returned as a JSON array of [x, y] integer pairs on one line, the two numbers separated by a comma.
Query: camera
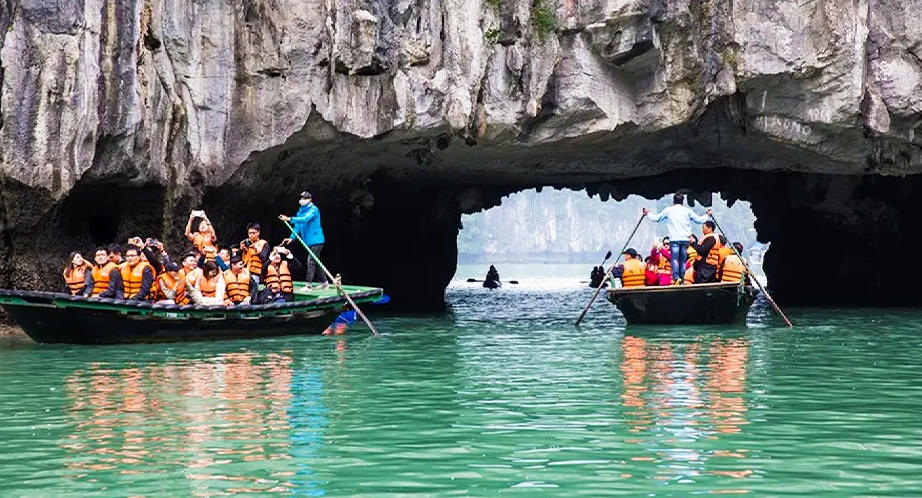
[[246, 242], [151, 242]]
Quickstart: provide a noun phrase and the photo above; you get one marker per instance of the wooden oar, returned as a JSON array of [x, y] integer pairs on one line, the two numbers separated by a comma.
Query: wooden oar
[[338, 285], [765, 292], [610, 269]]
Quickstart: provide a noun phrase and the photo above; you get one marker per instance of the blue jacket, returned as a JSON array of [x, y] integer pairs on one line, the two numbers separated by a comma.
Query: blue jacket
[[307, 224]]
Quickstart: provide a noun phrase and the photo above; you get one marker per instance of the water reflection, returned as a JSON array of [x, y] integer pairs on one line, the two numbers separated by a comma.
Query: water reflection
[[213, 422], [677, 392]]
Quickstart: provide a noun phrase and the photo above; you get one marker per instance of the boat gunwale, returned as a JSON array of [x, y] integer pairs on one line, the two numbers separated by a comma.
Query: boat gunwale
[[623, 291], [59, 300]]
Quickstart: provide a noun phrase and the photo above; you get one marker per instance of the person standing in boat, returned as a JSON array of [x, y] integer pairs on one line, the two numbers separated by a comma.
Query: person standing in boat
[[306, 224], [708, 255], [255, 251], [678, 220], [105, 278], [631, 271], [205, 237], [78, 274]]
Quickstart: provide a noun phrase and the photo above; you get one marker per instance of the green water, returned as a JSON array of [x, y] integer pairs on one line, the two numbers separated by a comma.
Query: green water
[[501, 395]]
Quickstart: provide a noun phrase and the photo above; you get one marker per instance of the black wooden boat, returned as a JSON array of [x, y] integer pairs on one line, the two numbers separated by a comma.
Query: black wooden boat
[[717, 303], [49, 317]]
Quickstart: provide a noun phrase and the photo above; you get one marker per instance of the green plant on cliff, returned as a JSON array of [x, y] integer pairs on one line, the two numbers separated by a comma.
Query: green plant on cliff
[[495, 3], [492, 35], [543, 19]]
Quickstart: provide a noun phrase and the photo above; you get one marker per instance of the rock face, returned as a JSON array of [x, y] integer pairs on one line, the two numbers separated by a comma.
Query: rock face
[[118, 116]]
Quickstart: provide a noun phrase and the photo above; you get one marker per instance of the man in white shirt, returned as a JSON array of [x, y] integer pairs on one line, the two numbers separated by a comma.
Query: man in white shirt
[[678, 222]]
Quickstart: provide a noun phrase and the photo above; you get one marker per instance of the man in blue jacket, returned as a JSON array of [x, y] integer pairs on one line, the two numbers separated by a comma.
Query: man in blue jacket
[[306, 224]]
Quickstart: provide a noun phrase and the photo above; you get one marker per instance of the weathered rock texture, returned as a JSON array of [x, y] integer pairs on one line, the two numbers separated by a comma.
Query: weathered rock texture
[[120, 115]]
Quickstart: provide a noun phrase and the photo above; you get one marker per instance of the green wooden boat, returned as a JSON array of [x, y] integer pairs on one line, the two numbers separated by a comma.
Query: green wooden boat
[[49, 317]]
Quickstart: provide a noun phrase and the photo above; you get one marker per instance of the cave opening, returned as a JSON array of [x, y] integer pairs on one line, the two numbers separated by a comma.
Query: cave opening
[[541, 233]]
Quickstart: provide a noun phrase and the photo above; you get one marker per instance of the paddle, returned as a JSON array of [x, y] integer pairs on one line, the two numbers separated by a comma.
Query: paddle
[[338, 285], [754, 279], [608, 273], [607, 255]]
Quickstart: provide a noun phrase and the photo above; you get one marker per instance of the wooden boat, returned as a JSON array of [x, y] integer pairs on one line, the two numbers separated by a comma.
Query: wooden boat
[[492, 284], [49, 317], [699, 304]]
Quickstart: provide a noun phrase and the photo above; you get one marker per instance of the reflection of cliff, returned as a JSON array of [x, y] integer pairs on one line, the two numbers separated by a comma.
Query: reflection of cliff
[[206, 421], [688, 391]]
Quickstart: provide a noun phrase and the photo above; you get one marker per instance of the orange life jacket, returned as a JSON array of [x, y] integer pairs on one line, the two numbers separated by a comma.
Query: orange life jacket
[[278, 279], [251, 257], [101, 278], [733, 269], [202, 240], [210, 252], [132, 277], [713, 257], [689, 276], [692, 256], [724, 252], [238, 285], [166, 281], [208, 287], [664, 267], [633, 273], [76, 280], [190, 277]]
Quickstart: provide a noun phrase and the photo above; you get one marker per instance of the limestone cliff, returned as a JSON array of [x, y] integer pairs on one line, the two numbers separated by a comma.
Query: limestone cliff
[[120, 115]]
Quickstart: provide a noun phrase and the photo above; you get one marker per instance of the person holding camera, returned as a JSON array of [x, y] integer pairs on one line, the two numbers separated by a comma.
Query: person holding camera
[[205, 239], [279, 286], [255, 251]]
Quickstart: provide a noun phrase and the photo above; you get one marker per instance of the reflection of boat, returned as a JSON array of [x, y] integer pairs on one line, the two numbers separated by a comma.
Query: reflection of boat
[[61, 318], [717, 303], [492, 284]]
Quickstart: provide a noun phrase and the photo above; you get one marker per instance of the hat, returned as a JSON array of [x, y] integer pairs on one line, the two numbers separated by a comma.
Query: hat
[[171, 266], [306, 195], [631, 252]]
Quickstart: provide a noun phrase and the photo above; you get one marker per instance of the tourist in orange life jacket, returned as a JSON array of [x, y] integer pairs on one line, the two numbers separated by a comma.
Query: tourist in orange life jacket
[[240, 287], [631, 271], [692, 253], [651, 271], [662, 253], [137, 276], [105, 278], [210, 287], [78, 274], [733, 268], [277, 273], [255, 251], [709, 254], [190, 270], [172, 286], [205, 238], [724, 251]]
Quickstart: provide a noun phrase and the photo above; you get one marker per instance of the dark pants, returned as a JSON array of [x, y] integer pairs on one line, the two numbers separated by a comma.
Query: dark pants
[[679, 255], [705, 273], [312, 269]]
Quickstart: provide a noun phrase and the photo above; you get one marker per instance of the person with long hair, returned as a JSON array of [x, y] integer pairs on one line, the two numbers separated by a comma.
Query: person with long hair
[[77, 274]]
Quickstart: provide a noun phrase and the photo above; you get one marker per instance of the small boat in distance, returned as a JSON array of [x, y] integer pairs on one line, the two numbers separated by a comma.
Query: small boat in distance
[[698, 304], [51, 317]]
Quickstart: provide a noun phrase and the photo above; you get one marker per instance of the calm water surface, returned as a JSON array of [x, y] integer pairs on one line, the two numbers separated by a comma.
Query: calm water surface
[[501, 395]]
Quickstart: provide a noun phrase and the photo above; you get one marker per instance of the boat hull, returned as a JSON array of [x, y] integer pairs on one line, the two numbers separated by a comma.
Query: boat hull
[[718, 303], [59, 318]]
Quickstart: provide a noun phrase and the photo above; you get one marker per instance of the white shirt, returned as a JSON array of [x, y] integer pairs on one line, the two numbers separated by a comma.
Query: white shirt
[[678, 221]]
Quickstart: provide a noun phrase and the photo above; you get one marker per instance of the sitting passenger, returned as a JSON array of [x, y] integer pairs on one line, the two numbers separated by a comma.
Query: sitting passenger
[[78, 275], [692, 253], [631, 271], [209, 288], [172, 286], [137, 276], [105, 279], [651, 271], [663, 256], [734, 268], [238, 282], [279, 287], [190, 272]]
